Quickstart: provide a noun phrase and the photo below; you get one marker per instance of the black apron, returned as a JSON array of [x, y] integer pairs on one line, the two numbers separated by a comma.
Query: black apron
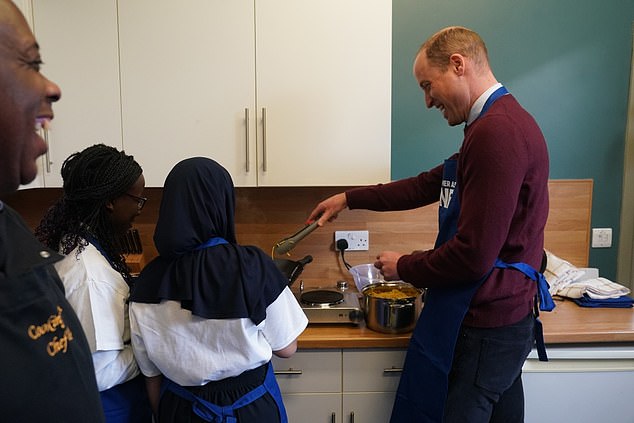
[[422, 391]]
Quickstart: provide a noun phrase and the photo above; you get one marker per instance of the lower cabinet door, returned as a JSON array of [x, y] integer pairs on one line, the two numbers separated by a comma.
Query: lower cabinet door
[[309, 371], [369, 407], [313, 408]]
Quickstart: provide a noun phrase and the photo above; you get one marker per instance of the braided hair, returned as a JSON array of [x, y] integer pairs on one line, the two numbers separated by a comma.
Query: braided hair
[[92, 178]]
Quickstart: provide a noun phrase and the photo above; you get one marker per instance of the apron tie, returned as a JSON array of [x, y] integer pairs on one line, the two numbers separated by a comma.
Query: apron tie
[[213, 413], [546, 302], [543, 301]]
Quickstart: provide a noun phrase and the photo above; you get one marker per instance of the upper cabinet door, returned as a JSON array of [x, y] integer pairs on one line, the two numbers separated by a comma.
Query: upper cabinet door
[[324, 78], [78, 41], [187, 84]]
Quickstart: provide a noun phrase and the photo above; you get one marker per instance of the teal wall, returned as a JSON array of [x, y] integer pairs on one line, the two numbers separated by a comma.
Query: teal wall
[[566, 61]]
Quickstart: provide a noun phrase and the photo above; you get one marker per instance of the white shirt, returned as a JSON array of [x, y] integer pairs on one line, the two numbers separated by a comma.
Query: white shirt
[[98, 294], [192, 351], [476, 109]]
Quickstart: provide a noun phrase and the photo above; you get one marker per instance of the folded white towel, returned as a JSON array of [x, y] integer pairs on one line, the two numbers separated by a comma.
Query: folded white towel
[[596, 288], [559, 273], [567, 280]]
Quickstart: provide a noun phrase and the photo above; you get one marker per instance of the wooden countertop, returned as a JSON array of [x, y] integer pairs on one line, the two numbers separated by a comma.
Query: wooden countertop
[[568, 323]]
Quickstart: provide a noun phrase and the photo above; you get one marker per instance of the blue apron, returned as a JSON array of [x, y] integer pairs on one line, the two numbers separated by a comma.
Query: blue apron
[[422, 390], [217, 414], [127, 402]]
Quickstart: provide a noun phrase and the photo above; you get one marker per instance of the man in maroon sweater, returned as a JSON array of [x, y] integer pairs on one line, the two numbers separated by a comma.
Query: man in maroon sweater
[[496, 186]]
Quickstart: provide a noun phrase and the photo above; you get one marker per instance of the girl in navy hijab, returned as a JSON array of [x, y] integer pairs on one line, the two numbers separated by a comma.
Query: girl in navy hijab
[[208, 313]]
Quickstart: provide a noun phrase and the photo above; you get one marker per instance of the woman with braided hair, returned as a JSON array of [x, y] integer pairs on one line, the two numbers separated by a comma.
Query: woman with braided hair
[[102, 195]]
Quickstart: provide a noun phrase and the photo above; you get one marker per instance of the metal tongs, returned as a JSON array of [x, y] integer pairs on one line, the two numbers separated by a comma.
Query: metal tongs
[[287, 244]]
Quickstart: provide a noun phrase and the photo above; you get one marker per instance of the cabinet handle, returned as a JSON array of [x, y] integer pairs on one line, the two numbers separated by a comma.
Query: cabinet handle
[[48, 155], [288, 372], [333, 418], [393, 370], [246, 137], [264, 139], [352, 417]]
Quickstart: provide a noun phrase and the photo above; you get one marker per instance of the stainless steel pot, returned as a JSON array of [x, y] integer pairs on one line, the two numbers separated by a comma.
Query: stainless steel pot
[[392, 307]]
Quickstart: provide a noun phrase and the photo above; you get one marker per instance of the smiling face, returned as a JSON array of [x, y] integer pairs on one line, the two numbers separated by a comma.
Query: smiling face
[[125, 208], [26, 98], [445, 88]]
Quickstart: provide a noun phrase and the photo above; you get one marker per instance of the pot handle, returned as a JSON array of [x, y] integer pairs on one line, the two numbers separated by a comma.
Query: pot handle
[[392, 309], [307, 259]]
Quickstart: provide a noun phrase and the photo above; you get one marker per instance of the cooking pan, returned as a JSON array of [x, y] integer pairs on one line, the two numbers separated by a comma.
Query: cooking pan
[[292, 269]]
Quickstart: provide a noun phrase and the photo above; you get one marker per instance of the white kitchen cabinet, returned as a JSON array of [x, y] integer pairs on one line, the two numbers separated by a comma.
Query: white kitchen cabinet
[[370, 380], [367, 407], [188, 75], [281, 93], [324, 77], [310, 382], [313, 408], [343, 386], [78, 43], [581, 384]]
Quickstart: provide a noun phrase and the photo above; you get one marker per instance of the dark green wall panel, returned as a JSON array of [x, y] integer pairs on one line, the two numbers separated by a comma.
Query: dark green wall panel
[[566, 61]]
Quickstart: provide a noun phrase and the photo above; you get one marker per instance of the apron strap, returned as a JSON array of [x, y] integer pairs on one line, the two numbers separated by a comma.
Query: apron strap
[[546, 302], [543, 302], [211, 242]]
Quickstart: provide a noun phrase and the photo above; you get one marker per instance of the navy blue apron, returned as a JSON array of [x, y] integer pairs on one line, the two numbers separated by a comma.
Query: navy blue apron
[[422, 390], [225, 414]]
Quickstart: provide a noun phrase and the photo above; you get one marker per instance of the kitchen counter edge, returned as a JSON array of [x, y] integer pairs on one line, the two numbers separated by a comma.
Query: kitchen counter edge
[[568, 323]]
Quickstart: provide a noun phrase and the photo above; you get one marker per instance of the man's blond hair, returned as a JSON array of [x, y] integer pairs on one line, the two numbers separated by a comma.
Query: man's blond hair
[[455, 39]]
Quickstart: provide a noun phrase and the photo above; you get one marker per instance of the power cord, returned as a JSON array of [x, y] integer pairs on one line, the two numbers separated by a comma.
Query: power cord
[[342, 245]]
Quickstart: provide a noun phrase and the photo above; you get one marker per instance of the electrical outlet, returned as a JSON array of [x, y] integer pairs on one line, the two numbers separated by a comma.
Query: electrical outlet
[[601, 237], [357, 240]]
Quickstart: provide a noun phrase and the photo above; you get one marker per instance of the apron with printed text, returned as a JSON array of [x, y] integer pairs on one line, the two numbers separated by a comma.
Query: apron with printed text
[[422, 390]]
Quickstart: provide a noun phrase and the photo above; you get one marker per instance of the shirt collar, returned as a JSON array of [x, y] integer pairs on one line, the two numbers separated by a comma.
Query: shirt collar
[[476, 109]]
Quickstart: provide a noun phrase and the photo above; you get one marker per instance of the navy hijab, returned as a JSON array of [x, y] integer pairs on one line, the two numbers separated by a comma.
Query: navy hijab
[[223, 281]]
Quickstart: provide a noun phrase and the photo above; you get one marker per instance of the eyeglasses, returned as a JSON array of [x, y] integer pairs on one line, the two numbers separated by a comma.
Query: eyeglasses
[[140, 200]]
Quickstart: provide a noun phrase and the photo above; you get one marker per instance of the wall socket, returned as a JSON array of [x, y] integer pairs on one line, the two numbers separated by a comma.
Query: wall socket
[[357, 240], [601, 237]]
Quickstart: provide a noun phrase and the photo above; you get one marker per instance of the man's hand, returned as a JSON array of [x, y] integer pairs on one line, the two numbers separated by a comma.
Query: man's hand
[[386, 262], [327, 210]]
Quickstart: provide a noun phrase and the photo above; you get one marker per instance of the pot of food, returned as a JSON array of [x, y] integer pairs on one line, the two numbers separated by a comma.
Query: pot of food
[[291, 268], [392, 307]]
